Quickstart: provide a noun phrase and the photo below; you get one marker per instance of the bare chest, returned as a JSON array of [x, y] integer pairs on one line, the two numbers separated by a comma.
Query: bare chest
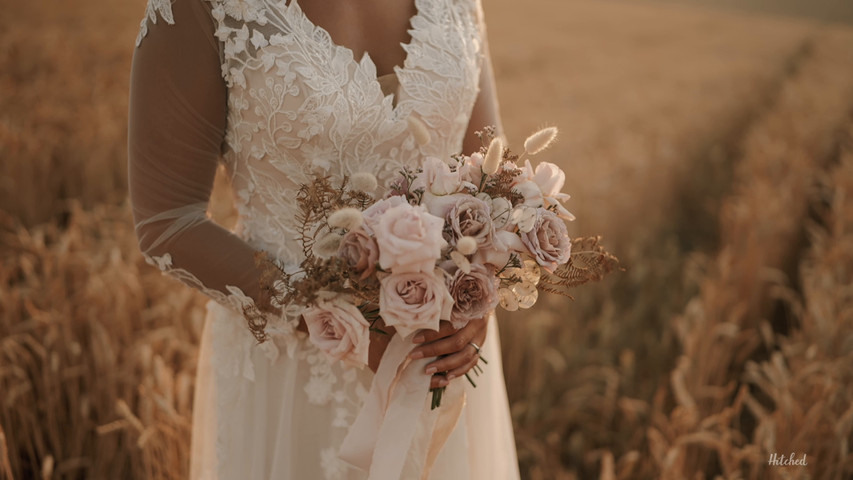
[[376, 27]]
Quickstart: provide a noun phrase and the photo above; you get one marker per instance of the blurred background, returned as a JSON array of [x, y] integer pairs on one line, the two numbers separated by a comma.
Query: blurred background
[[709, 142]]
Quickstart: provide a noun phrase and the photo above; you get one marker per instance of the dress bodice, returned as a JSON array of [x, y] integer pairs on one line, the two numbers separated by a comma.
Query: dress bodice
[[299, 104]]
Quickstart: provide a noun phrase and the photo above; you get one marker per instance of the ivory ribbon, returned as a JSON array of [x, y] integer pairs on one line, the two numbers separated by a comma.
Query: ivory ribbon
[[381, 436]]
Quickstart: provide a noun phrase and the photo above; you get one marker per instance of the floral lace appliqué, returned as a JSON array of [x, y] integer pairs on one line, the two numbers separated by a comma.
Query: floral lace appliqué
[[163, 7]]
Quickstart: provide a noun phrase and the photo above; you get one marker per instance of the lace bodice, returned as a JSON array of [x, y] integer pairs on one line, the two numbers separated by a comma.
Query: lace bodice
[[258, 81]]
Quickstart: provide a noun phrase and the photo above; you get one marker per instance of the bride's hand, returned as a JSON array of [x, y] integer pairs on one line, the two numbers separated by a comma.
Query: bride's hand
[[455, 348]]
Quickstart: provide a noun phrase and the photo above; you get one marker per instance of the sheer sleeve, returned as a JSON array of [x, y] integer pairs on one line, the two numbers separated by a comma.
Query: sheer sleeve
[[178, 107]]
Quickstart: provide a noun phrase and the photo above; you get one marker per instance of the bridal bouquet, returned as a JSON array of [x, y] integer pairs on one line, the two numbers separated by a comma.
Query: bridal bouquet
[[451, 240]]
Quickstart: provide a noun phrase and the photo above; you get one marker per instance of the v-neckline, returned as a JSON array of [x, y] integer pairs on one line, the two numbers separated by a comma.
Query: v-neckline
[[396, 69]]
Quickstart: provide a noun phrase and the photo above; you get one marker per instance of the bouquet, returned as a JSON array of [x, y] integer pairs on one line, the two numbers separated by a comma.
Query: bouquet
[[451, 240]]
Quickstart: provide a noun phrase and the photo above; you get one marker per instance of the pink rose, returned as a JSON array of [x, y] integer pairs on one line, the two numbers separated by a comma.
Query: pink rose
[[548, 241], [437, 178], [339, 329], [414, 300], [372, 213], [409, 239], [360, 252], [475, 294]]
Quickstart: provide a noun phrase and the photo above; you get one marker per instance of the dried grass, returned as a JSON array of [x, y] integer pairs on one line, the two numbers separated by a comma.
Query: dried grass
[[728, 338]]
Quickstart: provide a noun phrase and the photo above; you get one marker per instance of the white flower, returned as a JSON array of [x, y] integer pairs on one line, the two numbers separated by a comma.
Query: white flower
[[501, 209], [524, 217], [531, 192], [347, 218], [437, 178]]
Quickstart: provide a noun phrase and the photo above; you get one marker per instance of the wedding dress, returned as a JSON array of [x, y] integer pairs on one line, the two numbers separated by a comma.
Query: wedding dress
[[257, 84]]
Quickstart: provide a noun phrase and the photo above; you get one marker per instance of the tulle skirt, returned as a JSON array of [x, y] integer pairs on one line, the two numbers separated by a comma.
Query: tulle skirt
[[280, 411]]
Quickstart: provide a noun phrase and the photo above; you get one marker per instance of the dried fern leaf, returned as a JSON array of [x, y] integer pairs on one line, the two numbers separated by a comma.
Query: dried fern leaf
[[589, 262]]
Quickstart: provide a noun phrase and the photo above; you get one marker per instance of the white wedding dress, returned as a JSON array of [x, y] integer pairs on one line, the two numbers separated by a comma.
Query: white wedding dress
[[256, 83]]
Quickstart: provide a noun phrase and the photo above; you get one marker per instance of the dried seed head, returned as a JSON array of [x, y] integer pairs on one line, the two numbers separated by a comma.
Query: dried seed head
[[347, 218], [493, 156], [419, 130], [364, 182], [540, 140], [466, 245]]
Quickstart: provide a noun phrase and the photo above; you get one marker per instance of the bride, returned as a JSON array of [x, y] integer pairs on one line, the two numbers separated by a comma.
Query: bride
[[280, 91]]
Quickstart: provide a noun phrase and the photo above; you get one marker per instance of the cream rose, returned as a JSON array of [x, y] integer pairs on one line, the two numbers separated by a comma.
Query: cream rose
[[474, 295], [409, 239], [360, 252], [437, 178], [414, 300], [548, 241], [372, 213], [338, 329]]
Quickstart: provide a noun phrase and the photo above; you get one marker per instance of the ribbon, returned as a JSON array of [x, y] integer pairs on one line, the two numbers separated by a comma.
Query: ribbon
[[381, 436]]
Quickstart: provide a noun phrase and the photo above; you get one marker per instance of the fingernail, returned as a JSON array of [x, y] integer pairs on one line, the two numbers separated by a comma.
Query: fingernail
[[416, 355], [418, 339], [443, 382], [450, 376], [431, 370]]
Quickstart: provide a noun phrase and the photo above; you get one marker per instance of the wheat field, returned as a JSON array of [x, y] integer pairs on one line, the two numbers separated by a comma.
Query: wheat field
[[713, 149]]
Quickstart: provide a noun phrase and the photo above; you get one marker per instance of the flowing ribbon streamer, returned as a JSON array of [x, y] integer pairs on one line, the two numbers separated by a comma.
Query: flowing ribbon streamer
[[381, 436]]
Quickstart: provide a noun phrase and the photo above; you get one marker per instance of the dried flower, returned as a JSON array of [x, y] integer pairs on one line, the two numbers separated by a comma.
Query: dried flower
[[540, 140], [466, 245], [493, 156], [328, 245], [461, 262], [419, 130], [347, 218], [364, 182]]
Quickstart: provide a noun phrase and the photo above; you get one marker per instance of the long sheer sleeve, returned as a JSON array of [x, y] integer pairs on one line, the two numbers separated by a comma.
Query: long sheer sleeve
[[176, 129]]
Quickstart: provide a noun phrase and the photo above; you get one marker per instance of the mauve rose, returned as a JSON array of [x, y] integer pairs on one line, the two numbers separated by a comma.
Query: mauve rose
[[471, 217], [339, 329], [359, 250], [414, 300], [437, 178], [474, 295], [409, 239], [372, 213], [548, 241]]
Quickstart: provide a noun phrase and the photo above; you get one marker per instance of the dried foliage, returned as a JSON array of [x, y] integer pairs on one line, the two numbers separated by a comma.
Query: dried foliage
[[589, 262], [98, 350]]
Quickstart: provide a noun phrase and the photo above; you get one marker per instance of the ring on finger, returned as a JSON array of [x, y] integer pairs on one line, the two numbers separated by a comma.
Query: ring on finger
[[476, 347]]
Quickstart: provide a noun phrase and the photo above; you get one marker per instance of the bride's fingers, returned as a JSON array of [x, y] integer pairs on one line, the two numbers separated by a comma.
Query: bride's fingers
[[444, 346], [456, 364], [445, 329]]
